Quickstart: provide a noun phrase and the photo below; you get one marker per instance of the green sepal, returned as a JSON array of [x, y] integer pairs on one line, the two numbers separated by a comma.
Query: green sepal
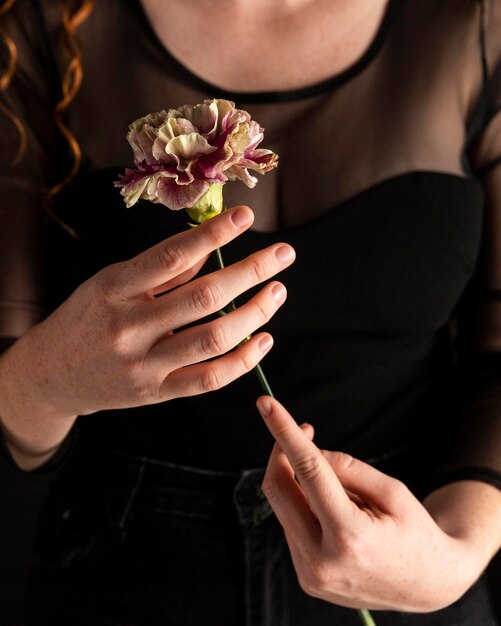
[[209, 205]]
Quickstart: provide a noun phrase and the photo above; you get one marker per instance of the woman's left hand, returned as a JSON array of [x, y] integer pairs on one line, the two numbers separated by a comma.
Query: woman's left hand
[[358, 538]]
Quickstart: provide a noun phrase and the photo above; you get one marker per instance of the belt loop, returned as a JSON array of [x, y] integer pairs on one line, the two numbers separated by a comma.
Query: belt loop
[[251, 503], [123, 509]]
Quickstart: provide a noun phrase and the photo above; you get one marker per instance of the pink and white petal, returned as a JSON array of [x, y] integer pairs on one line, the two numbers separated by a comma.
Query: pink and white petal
[[176, 197], [205, 118], [260, 160], [151, 192], [225, 109], [181, 126], [172, 128], [155, 120], [134, 191], [239, 139], [261, 155], [200, 115], [158, 151], [240, 173], [175, 113], [165, 132], [209, 165], [141, 142], [146, 140], [184, 176], [256, 134], [186, 147]]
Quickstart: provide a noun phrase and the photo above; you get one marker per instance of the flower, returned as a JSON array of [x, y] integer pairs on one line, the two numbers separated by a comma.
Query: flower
[[180, 154]]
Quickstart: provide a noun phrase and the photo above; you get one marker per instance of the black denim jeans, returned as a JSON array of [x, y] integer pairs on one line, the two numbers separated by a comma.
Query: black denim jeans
[[128, 541]]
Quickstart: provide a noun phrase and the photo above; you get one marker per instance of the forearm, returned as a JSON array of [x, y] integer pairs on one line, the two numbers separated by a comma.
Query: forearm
[[469, 511], [32, 424]]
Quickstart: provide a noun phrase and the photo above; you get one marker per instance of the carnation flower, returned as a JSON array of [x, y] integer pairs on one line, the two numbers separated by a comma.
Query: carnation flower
[[181, 154]]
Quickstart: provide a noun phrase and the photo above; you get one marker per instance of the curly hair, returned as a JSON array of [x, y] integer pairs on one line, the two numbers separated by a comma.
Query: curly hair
[[72, 17], [6, 79]]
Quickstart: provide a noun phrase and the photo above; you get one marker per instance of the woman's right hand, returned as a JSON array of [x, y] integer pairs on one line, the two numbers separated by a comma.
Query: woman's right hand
[[113, 344]]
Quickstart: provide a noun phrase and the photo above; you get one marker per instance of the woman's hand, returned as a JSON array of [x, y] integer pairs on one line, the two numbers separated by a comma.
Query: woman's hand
[[113, 344], [359, 538]]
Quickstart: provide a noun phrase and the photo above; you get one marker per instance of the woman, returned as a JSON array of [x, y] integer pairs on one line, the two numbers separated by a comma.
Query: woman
[[386, 127]]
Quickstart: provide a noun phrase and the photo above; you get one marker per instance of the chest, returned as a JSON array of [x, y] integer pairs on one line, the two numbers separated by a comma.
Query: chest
[[280, 46]]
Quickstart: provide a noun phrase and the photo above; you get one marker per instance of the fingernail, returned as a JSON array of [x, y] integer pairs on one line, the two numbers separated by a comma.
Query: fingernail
[[265, 343], [279, 292], [264, 406], [241, 217], [284, 254]]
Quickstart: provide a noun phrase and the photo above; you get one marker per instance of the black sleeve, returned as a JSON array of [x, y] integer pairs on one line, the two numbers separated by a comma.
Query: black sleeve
[[31, 97], [26, 114], [472, 449]]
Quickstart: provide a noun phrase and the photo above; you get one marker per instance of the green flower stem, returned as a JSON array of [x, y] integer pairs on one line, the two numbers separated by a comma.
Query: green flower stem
[[365, 617], [265, 385]]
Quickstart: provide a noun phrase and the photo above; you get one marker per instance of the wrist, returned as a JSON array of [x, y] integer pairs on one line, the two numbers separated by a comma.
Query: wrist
[[33, 422], [469, 512]]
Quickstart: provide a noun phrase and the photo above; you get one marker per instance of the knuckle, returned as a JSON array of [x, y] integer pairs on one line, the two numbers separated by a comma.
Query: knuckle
[[319, 573], [106, 283], [397, 491], [271, 489], [142, 390], [307, 468], [314, 577], [247, 361], [210, 380], [214, 341], [207, 297], [306, 583], [323, 575], [257, 269], [215, 234], [351, 548], [341, 460], [118, 339], [121, 338], [261, 313], [171, 257]]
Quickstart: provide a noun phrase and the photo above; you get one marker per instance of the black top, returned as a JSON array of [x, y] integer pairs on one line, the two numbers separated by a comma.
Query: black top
[[387, 187]]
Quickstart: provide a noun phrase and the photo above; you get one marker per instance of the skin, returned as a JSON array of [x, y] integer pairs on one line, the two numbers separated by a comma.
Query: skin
[[112, 344]]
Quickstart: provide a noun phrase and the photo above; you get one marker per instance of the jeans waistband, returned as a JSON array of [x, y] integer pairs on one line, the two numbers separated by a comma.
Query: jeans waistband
[[125, 483]]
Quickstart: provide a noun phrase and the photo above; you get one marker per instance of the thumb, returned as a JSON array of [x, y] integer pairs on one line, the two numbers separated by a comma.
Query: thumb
[[308, 430], [366, 481]]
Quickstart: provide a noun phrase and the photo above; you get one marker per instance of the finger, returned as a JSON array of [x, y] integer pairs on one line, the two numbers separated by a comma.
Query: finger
[[209, 294], [203, 377], [212, 339], [370, 484], [322, 488], [181, 279], [174, 256], [308, 430], [288, 502]]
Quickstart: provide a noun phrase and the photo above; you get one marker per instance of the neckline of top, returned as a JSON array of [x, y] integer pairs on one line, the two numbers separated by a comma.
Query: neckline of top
[[417, 176], [288, 95]]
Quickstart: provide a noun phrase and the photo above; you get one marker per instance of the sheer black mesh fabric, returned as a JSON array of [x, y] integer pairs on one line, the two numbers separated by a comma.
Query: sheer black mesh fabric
[[389, 187]]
